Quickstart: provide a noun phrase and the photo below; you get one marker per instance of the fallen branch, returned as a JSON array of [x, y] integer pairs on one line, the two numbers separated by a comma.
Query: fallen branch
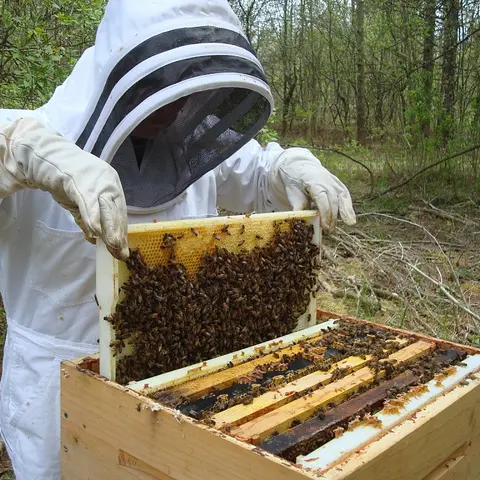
[[383, 266], [439, 214], [435, 240], [420, 242], [449, 216], [442, 288], [347, 294], [423, 170], [380, 293], [328, 255]]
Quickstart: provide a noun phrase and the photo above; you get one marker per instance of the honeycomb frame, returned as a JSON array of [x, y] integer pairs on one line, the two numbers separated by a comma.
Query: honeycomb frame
[[196, 237]]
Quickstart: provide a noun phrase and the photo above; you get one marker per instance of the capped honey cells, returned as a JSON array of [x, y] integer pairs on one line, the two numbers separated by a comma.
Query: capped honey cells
[[174, 319]]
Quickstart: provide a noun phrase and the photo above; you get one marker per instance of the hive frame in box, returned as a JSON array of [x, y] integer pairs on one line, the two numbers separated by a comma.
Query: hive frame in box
[[111, 431], [111, 273], [323, 458]]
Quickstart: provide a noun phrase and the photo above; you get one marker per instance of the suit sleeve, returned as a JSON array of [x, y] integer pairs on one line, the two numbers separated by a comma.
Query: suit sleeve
[[242, 180], [9, 204]]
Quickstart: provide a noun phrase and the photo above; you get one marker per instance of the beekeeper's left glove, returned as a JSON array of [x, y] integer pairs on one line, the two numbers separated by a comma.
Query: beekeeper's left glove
[[299, 180], [32, 156]]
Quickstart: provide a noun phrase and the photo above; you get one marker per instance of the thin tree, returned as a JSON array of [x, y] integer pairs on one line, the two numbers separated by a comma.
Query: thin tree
[[359, 6], [450, 45], [429, 11]]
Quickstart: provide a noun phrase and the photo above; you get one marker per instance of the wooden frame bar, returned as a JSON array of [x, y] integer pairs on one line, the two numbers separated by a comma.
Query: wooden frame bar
[[282, 418], [226, 378], [287, 444], [315, 427], [210, 367], [276, 398]]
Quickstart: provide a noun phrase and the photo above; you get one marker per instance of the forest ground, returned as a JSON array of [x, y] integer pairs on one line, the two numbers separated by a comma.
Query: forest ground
[[5, 470], [412, 260]]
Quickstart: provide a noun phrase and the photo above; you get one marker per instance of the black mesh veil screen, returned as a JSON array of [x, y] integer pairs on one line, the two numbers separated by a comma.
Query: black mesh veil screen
[[209, 127]]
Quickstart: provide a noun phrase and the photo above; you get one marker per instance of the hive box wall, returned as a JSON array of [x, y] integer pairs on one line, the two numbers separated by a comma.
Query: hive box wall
[[111, 432]]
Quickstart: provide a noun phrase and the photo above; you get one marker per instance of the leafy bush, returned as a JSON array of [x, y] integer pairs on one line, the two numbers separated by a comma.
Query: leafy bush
[[40, 42]]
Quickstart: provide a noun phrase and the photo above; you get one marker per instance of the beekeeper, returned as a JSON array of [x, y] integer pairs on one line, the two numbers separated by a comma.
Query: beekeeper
[[169, 99]]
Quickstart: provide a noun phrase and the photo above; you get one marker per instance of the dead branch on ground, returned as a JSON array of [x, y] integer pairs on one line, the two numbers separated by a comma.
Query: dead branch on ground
[[401, 184]]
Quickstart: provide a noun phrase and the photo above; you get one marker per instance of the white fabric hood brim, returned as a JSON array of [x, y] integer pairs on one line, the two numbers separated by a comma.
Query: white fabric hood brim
[[125, 25]]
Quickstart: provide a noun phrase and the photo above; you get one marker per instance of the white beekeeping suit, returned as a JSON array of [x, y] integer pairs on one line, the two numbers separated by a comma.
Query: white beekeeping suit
[[170, 96]]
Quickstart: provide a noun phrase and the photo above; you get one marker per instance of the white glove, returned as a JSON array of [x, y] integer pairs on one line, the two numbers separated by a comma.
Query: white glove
[[32, 156], [298, 179]]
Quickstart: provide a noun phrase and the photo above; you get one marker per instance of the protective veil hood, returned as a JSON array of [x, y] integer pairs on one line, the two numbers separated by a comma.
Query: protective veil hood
[[147, 55]]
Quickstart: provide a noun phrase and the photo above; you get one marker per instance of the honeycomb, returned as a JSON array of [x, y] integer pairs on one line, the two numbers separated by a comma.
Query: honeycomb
[[202, 236]]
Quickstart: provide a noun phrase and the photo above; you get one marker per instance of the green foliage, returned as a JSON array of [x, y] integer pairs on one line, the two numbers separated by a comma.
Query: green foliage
[[40, 42], [268, 133]]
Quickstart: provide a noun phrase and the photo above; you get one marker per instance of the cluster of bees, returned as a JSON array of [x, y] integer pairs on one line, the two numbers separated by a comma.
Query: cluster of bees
[[234, 301], [346, 340], [355, 339]]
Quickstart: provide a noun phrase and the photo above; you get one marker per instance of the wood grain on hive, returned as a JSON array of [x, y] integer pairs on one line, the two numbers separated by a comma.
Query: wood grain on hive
[[194, 238]]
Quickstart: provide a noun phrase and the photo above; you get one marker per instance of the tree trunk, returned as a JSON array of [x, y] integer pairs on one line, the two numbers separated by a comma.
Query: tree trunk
[[286, 62], [289, 67], [360, 44], [429, 11], [450, 36]]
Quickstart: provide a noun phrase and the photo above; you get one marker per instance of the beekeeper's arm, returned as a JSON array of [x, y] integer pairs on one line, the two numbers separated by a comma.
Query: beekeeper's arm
[[32, 156], [274, 179]]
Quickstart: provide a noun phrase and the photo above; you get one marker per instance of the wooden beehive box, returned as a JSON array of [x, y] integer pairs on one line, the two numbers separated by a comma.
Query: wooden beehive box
[[111, 431]]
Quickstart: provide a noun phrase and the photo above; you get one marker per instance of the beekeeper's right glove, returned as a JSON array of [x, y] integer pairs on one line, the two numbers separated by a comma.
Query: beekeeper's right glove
[[298, 180], [32, 156]]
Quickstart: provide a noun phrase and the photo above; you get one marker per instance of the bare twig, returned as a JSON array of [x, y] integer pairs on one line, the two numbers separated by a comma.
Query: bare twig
[[419, 242], [439, 214], [454, 300], [338, 152], [437, 243], [381, 269], [423, 170], [449, 216], [327, 254]]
